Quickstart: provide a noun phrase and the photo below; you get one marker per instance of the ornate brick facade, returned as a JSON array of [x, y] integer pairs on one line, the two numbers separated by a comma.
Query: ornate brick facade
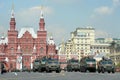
[[19, 49]]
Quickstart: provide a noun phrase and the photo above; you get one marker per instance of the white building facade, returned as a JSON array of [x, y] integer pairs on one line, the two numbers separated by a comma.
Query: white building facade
[[82, 42]]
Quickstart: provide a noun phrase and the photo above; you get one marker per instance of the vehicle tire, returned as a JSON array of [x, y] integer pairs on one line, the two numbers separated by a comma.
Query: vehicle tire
[[39, 70], [58, 71], [99, 71], [108, 71], [103, 70], [94, 70], [47, 70], [113, 71], [69, 69], [83, 69], [34, 70]]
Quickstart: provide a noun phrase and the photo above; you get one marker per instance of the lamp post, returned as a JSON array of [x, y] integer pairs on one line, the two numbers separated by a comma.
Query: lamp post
[[115, 46]]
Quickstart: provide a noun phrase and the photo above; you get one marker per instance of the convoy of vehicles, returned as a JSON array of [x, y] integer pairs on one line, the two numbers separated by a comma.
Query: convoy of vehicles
[[88, 63], [73, 65], [85, 64], [106, 65]]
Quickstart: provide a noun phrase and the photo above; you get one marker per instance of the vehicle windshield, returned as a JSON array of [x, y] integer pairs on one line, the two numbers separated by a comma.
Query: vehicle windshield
[[36, 62], [43, 60], [107, 62], [53, 61], [90, 60], [74, 61]]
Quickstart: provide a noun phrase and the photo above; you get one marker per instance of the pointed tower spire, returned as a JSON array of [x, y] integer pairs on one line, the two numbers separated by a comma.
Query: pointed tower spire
[[41, 15], [12, 20], [12, 12], [42, 23]]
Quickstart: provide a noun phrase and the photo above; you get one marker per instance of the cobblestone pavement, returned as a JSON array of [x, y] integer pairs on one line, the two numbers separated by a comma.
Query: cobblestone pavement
[[59, 76]]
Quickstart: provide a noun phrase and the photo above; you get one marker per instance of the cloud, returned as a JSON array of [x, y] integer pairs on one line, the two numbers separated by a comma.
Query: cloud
[[47, 10], [104, 10], [35, 11], [116, 2], [31, 16]]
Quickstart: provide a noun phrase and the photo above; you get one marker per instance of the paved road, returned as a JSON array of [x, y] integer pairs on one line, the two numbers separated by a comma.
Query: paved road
[[59, 76]]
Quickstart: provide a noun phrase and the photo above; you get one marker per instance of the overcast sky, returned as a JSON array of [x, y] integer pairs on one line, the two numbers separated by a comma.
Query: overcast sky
[[64, 16]]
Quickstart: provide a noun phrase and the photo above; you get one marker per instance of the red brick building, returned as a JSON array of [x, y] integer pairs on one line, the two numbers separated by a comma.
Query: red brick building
[[20, 48]]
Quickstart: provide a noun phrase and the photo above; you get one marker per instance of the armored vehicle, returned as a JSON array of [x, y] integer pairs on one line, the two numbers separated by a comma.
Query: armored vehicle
[[106, 65], [88, 63], [39, 65], [36, 65], [53, 65], [73, 65]]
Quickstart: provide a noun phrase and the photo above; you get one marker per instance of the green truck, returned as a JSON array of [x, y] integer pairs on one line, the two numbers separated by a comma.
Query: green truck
[[39, 65], [106, 65], [88, 63], [73, 65], [53, 65]]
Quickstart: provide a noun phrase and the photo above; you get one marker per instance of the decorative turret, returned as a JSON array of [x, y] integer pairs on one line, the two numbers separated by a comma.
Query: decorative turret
[[41, 35], [51, 41], [42, 23], [12, 20]]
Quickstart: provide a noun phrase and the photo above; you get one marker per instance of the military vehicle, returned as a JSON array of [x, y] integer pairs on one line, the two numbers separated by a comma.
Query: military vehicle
[[53, 65], [39, 65], [88, 63], [36, 65], [2, 68], [106, 65], [73, 65]]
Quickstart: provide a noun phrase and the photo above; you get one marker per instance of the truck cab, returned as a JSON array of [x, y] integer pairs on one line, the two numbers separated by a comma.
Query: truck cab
[[73, 65], [88, 63], [106, 65], [53, 65]]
